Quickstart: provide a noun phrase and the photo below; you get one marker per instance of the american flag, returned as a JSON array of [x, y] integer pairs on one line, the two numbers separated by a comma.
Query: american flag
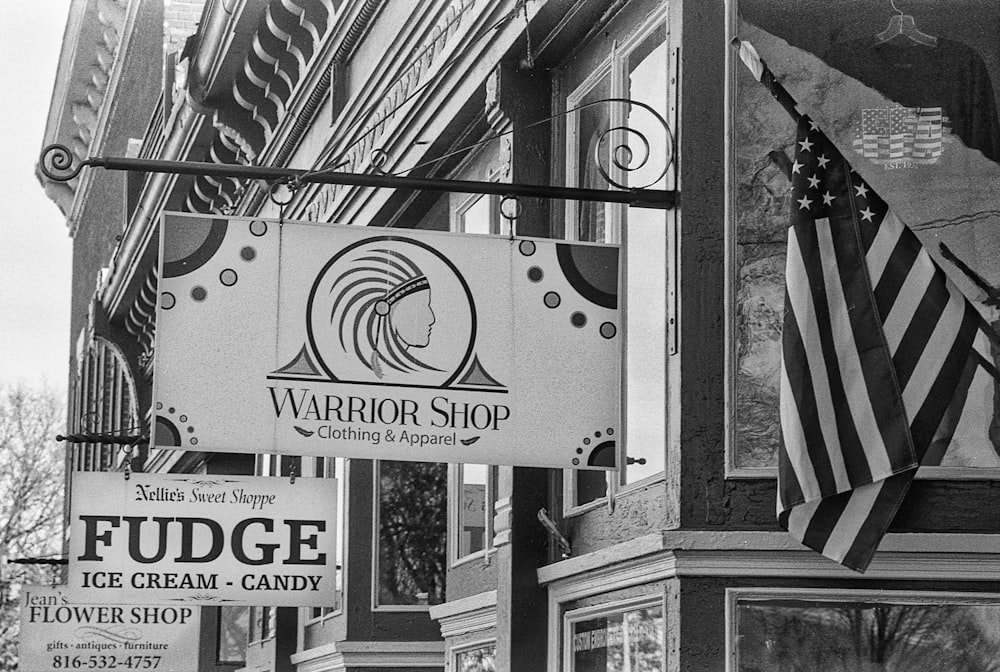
[[879, 350], [901, 133]]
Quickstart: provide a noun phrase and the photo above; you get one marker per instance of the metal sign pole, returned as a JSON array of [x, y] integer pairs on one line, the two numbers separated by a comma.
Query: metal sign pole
[[56, 163]]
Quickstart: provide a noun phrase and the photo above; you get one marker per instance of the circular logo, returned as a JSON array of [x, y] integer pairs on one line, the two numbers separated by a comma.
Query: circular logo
[[391, 310]]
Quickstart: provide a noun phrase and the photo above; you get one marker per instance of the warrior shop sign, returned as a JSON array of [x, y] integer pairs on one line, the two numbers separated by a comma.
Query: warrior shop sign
[[59, 633], [167, 539], [405, 345]]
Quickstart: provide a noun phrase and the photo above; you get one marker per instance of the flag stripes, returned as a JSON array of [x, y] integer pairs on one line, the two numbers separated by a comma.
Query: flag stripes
[[878, 353]]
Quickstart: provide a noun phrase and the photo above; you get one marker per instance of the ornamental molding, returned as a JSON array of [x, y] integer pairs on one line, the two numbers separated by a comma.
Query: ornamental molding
[[376, 112], [467, 614], [352, 654], [86, 77], [288, 37], [677, 553]]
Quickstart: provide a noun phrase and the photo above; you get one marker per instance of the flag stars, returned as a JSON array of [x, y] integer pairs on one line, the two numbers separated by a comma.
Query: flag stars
[[813, 182], [827, 198], [806, 145], [861, 190], [823, 160], [804, 203], [796, 167], [813, 126], [866, 215]]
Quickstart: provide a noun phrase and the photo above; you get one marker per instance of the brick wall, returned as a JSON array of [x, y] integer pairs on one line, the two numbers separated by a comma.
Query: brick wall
[[180, 21]]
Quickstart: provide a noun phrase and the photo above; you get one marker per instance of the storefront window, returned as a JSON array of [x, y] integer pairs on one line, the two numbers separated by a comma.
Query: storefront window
[[914, 633], [631, 640], [908, 95], [412, 533]]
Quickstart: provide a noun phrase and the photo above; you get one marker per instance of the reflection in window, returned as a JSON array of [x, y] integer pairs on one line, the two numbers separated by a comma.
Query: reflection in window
[[412, 532], [481, 659], [233, 634], [261, 624], [475, 488], [872, 636], [590, 125], [628, 641]]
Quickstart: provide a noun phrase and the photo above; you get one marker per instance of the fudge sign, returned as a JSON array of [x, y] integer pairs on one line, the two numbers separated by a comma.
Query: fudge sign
[[168, 539], [405, 345]]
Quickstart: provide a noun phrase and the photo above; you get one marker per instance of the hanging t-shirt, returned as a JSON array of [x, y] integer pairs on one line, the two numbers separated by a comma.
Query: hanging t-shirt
[[950, 75]]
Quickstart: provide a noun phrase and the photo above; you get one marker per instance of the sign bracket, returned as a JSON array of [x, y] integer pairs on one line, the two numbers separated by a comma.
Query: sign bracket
[[56, 163]]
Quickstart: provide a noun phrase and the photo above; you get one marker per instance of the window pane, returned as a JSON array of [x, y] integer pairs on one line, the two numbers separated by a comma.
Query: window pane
[[472, 535], [477, 660], [412, 513], [476, 216], [592, 124], [646, 250], [918, 124], [233, 635], [646, 82], [590, 485], [876, 637], [630, 641]]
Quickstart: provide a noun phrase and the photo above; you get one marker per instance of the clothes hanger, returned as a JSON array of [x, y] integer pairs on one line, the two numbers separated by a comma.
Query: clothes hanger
[[903, 24]]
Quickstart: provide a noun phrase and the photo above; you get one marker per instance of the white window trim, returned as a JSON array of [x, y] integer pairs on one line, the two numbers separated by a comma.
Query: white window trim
[[736, 595], [341, 536]]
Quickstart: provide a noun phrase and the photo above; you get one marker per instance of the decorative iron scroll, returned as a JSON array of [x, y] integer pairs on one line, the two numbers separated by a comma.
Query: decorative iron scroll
[[629, 151], [622, 157]]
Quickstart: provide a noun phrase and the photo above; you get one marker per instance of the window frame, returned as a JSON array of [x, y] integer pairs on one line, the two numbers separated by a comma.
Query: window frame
[[929, 597], [330, 470], [456, 496], [620, 606], [615, 66], [375, 534], [457, 650], [735, 70]]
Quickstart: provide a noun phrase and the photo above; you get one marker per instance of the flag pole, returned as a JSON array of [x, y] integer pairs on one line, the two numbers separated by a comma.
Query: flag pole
[[763, 74]]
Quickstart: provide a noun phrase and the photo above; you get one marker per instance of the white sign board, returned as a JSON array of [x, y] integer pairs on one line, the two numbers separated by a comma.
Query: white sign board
[[193, 539], [60, 633], [395, 344]]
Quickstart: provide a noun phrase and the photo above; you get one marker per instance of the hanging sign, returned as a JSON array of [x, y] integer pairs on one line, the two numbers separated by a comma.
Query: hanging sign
[[169, 539], [392, 344], [60, 633]]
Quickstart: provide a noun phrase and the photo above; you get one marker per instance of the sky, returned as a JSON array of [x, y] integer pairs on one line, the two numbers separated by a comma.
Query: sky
[[35, 247]]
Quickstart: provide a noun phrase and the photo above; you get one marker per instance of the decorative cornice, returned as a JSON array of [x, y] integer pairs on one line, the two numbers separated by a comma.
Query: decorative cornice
[[93, 38], [467, 614], [351, 654], [288, 36], [286, 40], [956, 557]]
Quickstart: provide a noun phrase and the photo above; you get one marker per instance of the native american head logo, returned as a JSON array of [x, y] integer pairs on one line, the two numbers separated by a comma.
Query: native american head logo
[[391, 310], [382, 312]]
